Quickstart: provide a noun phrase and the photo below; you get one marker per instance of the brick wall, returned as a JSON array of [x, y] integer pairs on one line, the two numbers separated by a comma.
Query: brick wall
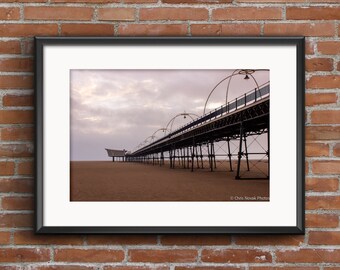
[[317, 20]]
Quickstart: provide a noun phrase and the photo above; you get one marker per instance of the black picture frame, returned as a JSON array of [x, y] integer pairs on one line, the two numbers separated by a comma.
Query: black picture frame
[[41, 42]]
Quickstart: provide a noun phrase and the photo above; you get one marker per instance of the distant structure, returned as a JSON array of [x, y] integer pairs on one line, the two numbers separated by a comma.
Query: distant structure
[[119, 154]]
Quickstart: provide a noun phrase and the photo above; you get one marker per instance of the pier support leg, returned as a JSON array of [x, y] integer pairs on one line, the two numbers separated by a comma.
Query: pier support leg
[[174, 159], [229, 155], [192, 158], [213, 153], [170, 157], [246, 151], [180, 151], [268, 139], [201, 155], [188, 158], [239, 154], [196, 153], [210, 158]]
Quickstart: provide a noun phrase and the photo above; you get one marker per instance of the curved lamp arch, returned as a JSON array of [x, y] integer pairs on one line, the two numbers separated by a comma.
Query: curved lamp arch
[[235, 73], [247, 73], [178, 115], [160, 129]]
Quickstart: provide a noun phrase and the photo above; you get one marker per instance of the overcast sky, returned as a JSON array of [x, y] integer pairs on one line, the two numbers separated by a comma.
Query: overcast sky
[[118, 109]]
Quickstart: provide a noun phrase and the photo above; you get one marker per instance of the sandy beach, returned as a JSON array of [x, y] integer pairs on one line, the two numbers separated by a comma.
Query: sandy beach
[[125, 181]]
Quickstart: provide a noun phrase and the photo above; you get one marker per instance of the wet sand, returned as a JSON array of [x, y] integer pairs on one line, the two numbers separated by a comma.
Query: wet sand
[[124, 181]]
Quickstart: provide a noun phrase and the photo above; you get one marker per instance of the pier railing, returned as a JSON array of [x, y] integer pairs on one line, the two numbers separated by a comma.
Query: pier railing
[[234, 105]]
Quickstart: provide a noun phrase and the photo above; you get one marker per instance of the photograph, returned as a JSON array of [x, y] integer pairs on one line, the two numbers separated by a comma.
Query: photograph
[[196, 130], [169, 135]]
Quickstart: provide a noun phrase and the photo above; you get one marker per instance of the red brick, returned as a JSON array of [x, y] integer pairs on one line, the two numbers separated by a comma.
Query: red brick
[[139, 1], [322, 184], [283, 268], [322, 221], [317, 149], [16, 100], [206, 29], [323, 202], [16, 150], [6, 167], [29, 238], [287, 1], [323, 133], [86, 1], [324, 82], [88, 255], [136, 267], [329, 47], [25, 168], [87, 29], [320, 98], [207, 268], [305, 29], [269, 240], [152, 29], [17, 203], [187, 240], [116, 14], [247, 13], [10, 47], [319, 64], [6, 267], [162, 256], [27, 46], [324, 238], [16, 81], [28, 30], [226, 29], [196, 1], [235, 256], [16, 220], [308, 256], [24, 255], [309, 47], [16, 134], [180, 14], [336, 150], [11, 13], [16, 185], [58, 13], [5, 238], [325, 117], [16, 117], [326, 167], [313, 13], [62, 267], [323, 1], [271, 1], [16, 64], [23, 1], [121, 240]]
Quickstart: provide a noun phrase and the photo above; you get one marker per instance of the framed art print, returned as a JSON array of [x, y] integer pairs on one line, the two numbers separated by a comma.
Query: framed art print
[[170, 135]]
